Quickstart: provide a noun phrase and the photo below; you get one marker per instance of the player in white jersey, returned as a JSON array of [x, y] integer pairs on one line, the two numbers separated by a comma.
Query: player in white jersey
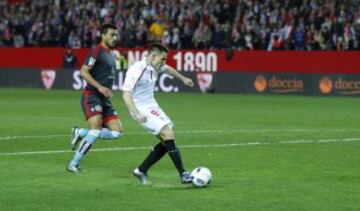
[[138, 94]]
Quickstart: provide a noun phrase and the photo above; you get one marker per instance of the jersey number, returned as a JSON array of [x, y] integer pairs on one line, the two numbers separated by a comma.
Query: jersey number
[[153, 112]]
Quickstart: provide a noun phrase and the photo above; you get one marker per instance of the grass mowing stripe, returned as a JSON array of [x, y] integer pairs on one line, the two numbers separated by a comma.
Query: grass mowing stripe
[[189, 146]]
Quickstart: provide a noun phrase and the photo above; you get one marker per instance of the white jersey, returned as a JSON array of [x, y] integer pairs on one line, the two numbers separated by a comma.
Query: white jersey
[[140, 81]]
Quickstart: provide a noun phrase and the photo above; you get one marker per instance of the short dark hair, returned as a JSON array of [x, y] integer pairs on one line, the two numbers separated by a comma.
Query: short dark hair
[[104, 28], [158, 47]]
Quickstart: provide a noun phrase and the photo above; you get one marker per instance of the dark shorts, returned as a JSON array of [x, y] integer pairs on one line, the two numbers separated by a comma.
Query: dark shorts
[[93, 103]]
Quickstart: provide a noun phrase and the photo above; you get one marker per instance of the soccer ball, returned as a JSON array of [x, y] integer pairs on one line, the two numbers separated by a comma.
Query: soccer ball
[[201, 176]]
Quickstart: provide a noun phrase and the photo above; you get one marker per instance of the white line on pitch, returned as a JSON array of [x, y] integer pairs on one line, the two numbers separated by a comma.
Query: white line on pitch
[[4, 138], [188, 146]]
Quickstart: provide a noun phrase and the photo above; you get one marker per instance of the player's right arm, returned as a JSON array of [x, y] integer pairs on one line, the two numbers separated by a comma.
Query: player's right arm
[[133, 75], [85, 74], [129, 102]]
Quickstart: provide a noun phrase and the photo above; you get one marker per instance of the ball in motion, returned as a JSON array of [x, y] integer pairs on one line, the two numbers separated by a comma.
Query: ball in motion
[[201, 176]]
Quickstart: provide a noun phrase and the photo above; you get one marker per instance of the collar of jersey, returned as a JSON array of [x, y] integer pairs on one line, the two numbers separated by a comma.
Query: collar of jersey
[[148, 66]]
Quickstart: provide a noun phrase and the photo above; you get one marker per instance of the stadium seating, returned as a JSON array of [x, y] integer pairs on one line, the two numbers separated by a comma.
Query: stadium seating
[[207, 24]]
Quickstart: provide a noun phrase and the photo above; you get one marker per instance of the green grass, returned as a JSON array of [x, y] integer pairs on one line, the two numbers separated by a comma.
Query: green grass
[[288, 153]]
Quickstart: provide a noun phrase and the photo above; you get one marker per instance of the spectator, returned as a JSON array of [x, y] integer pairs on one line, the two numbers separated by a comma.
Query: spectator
[[201, 37], [74, 40], [70, 60], [319, 41], [19, 41], [214, 24], [157, 29], [175, 39], [166, 38], [217, 37]]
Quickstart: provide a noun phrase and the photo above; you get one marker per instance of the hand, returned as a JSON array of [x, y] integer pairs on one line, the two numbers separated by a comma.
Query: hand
[[188, 82], [105, 91], [141, 118]]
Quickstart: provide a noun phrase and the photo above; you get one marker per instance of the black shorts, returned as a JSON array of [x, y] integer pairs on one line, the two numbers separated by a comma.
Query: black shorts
[[93, 103]]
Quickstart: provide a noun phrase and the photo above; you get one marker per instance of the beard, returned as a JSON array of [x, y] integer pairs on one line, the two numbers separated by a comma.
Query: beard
[[111, 44]]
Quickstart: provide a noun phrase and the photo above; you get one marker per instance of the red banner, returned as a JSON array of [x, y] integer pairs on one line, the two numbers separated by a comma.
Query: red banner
[[204, 61]]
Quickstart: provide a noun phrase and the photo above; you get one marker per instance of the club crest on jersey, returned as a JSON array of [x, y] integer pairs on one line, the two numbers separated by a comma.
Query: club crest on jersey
[[48, 78], [91, 61], [96, 108]]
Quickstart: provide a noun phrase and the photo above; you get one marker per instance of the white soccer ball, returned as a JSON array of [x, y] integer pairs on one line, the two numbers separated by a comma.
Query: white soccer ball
[[201, 176]]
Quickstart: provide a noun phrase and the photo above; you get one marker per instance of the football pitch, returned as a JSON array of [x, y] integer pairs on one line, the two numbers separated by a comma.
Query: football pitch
[[266, 152]]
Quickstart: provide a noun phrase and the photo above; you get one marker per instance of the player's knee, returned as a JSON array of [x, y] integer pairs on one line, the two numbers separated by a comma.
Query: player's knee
[[167, 135], [94, 133], [92, 136]]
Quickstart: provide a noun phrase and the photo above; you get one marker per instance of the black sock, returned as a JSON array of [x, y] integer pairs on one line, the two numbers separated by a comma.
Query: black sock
[[174, 154], [154, 156]]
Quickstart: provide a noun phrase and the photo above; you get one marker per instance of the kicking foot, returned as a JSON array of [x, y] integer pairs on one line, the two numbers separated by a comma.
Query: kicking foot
[[186, 178]]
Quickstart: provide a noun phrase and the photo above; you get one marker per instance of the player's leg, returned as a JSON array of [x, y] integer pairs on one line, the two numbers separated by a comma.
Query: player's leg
[[93, 108], [89, 100], [156, 153], [93, 103], [167, 135], [112, 130], [159, 124], [76, 135], [113, 127], [86, 143]]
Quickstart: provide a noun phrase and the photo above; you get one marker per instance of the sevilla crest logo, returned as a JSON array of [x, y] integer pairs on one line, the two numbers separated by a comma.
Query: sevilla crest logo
[[48, 78], [204, 81]]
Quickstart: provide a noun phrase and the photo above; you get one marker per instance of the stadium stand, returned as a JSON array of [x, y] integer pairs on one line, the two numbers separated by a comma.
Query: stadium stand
[[183, 24]]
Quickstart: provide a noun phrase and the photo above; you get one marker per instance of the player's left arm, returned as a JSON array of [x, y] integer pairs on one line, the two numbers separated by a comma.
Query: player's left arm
[[187, 81]]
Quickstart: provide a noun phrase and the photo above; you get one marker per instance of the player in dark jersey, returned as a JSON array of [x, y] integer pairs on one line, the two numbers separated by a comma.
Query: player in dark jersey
[[99, 73]]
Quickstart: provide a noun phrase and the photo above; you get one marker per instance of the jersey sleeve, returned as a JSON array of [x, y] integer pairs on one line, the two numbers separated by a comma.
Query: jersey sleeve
[[92, 57], [164, 68], [133, 75]]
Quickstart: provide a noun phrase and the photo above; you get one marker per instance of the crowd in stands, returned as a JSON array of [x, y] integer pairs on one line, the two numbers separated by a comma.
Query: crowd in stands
[[181, 24]]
